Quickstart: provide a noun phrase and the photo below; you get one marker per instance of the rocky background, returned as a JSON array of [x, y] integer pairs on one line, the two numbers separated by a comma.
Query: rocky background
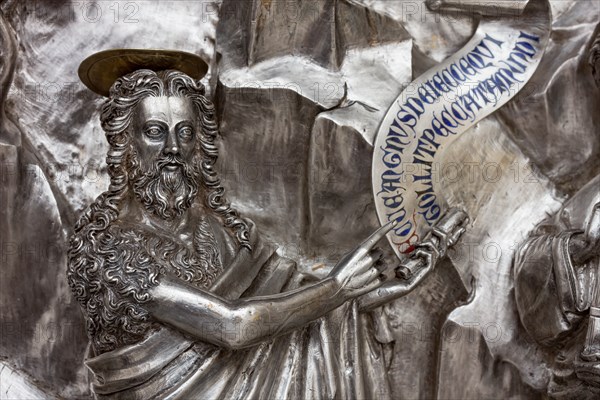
[[301, 86]]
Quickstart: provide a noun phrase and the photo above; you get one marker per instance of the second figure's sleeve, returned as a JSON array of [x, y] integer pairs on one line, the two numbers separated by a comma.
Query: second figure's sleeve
[[549, 290]]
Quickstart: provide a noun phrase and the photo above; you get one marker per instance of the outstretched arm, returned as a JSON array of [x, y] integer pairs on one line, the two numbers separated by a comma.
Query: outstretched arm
[[241, 323], [244, 322]]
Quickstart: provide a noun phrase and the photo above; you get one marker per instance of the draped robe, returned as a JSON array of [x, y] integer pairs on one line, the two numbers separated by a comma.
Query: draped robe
[[336, 356]]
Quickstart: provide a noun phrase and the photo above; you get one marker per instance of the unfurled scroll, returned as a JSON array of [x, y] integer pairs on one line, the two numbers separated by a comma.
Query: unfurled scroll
[[441, 104]]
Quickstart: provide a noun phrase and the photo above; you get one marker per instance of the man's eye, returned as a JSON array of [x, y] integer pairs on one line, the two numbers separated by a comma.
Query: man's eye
[[186, 133], [153, 132]]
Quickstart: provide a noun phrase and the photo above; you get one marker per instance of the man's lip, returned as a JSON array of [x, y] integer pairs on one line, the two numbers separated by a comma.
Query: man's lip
[[172, 166]]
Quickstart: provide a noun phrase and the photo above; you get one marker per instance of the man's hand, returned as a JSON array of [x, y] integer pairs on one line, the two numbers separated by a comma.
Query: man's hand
[[444, 234], [359, 271], [586, 245], [422, 261]]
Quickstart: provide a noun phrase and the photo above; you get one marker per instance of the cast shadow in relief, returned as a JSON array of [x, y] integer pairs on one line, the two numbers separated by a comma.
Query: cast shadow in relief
[[557, 273], [181, 297]]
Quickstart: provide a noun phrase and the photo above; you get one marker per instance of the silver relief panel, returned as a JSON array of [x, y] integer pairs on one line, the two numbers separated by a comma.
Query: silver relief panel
[[497, 299]]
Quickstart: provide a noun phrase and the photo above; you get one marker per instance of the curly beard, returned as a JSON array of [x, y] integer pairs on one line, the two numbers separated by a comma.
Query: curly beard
[[165, 193]]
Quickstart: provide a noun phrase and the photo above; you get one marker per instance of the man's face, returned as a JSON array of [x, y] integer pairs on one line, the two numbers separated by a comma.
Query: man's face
[[162, 126], [165, 173]]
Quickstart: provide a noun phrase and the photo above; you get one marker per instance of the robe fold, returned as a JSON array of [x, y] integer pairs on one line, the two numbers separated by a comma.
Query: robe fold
[[334, 357], [554, 295]]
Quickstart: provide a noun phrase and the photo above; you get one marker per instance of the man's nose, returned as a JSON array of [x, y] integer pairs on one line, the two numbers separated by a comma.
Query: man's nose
[[172, 144]]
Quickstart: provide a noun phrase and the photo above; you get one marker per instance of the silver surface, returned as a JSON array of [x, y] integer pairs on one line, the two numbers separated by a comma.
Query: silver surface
[[181, 298], [444, 339]]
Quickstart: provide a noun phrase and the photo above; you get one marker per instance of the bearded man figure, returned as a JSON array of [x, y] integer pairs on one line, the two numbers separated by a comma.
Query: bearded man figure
[[180, 296], [557, 285]]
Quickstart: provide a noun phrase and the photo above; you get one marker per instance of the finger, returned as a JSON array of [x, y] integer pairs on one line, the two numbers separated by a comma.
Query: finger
[[428, 248], [365, 278], [370, 275], [427, 256], [378, 235], [381, 265], [441, 235], [422, 252], [433, 249], [363, 264], [373, 285], [374, 259], [442, 240], [456, 235], [376, 254]]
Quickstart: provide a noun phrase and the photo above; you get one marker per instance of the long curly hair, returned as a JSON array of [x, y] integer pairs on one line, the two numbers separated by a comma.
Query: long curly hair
[[110, 285]]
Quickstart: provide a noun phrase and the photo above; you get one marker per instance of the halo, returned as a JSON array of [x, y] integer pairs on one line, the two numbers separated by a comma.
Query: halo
[[100, 70]]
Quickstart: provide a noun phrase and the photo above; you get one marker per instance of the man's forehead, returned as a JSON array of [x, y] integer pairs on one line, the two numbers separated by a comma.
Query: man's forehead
[[167, 108]]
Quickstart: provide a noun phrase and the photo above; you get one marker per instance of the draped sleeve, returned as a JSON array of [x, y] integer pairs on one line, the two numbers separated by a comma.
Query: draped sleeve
[[552, 293], [548, 291]]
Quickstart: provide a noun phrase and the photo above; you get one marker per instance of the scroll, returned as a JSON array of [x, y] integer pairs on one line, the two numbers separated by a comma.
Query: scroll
[[441, 104]]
